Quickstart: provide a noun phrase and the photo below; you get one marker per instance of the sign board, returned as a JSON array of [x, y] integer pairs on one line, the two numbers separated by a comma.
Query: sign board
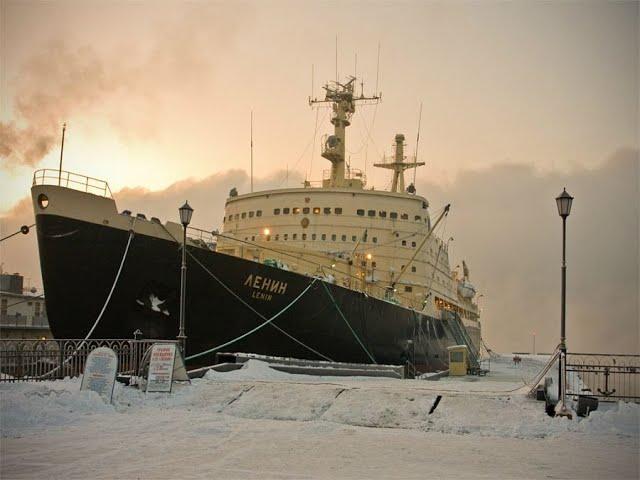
[[100, 372], [165, 366]]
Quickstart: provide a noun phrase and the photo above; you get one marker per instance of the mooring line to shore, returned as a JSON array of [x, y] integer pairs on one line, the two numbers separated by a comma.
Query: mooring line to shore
[[348, 324], [241, 300], [106, 303], [255, 329]]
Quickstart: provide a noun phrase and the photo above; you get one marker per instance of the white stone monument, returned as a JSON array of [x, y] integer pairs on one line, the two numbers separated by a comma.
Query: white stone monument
[[100, 372]]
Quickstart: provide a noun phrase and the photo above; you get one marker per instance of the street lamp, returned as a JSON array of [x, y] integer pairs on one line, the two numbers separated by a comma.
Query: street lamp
[[185, 218], [564, 201]]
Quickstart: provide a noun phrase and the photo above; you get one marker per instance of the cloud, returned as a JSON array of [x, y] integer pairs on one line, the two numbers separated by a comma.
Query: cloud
[[132, 89], [505, 223], [506, 226]]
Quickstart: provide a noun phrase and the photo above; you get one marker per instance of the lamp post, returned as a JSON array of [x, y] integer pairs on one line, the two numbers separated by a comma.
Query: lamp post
[[563, 202], [185, 218]]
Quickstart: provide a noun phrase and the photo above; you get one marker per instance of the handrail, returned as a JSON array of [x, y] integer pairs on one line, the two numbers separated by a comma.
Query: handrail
[[209, 239], [72, 180]]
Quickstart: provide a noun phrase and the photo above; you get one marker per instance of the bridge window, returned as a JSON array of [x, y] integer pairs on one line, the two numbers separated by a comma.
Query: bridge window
[[296, 210], [259, 213], [276, 211], [236, 216], [424, 205], [324, 236], [286, 236], [404, 243], [344, 238], [295, 236], [313, 236], [327, 210], [305, 210], [360, 212], [413, 244], [338, 211], [268, 238], [304, 236], [253, 238], [285, 211], [404, 216], [408, 288], [382, 214], [375, 239], [277, 237], [316, 210], [371, 213], [244, 215], [353, 238], [374, 264], [393, 215], [333, 237], [418, 218], [251, 214], [413, 269]]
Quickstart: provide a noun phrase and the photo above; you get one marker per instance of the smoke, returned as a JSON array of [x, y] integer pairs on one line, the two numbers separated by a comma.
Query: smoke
[[505, 225], [131, 88]]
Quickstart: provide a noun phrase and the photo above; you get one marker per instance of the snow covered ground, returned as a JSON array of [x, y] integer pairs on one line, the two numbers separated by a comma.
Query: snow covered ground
[[260, 423]]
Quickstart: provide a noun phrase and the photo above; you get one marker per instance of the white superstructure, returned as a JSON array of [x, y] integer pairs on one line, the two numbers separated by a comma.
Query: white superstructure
[[379, 242]]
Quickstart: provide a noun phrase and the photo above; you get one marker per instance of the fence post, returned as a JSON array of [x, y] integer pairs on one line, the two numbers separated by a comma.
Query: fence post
[[60, 359]]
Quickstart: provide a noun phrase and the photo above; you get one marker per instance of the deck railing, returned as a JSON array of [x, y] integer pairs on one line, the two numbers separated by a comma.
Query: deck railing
[[203, 238], [75, 181], [37, 360]]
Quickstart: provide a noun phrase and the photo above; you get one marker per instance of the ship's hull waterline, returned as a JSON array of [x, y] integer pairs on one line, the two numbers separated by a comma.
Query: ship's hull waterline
[[80, 260]]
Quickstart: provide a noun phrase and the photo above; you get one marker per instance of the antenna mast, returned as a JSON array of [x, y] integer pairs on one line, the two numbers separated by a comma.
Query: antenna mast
[[417, 142], [251, 134], [64, 127], [398, 165], [342, 98]]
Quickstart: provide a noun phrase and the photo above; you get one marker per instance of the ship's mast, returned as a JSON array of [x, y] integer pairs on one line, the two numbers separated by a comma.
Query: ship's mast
[[398, 165], [341, 97]]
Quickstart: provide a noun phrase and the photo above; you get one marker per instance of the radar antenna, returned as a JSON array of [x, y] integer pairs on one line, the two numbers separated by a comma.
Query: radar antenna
[[341, 97]]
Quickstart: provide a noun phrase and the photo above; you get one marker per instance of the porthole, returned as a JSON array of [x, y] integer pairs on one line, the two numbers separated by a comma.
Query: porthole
[[43, 201]]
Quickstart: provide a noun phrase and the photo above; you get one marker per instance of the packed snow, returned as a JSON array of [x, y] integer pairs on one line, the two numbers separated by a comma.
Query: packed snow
[[259, 422]]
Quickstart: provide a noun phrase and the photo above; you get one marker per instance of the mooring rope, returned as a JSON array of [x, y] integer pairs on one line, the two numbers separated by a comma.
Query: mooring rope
[[299, 342], [106, 303], [241, 300], [253, 330], [348, 324]]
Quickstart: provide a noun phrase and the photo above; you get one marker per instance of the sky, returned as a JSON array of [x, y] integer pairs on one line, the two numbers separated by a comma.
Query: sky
[[519, 100]]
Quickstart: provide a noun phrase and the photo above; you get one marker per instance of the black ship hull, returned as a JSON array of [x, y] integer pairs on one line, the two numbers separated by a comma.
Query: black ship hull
[[80, 261]]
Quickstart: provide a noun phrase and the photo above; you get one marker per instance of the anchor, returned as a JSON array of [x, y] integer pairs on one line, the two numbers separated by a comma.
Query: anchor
[[606, 392]]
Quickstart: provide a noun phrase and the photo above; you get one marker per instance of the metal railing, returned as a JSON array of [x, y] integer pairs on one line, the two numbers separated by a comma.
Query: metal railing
[[349, 174], [39, 321], [75, 181], [606, 376], [37, 360], [203, 238]]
